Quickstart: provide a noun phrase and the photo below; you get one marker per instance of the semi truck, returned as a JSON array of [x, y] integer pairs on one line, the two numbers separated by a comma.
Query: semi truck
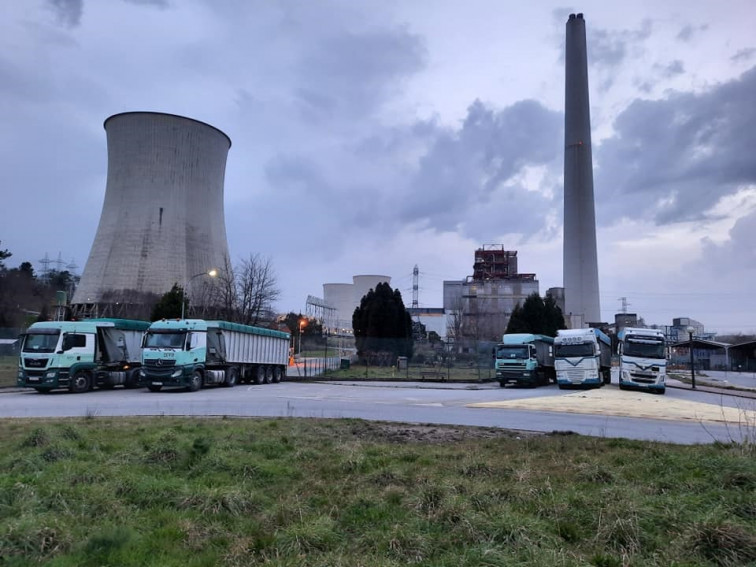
[[193, 353], [525, 359], [81, 355], [643, 360], [582, 357]]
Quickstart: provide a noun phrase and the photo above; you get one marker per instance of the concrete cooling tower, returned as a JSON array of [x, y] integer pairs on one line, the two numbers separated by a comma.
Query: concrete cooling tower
[[162, 220], [581, 284]]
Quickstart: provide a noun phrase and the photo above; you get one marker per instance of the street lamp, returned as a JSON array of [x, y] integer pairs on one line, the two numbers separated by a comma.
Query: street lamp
[[690, 330], [212, 273], [302, 325]]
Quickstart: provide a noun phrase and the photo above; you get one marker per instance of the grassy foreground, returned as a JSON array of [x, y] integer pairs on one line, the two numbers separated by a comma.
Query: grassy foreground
[[294, 492]]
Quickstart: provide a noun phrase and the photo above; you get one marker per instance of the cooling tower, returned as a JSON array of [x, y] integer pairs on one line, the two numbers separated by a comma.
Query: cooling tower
[[162, 220], [363, 284], [341, 296], [581, 288]]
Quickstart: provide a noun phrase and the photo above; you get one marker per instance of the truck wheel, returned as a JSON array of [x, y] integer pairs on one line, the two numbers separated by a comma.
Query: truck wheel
[[607, 376], [195, 383], [80, 383], [152, 388], [268, 375], [276, 374], [259, 375], [232, 374], [132, 380]]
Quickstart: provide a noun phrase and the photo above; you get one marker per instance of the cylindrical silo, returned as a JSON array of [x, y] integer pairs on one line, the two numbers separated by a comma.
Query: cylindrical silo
[[581, 285], [162, 220]]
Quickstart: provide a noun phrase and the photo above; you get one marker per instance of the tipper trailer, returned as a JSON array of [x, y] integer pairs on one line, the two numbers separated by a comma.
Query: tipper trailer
[[193, 353], [525, 359], [80, 355]]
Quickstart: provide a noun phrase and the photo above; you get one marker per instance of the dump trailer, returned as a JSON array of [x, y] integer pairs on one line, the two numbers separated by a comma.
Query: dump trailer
[[582, 357], [525, 359], [193, 353], [643, 359], [80, 355]]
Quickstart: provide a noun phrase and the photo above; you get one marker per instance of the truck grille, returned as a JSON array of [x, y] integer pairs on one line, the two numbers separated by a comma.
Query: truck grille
[[35, 362], [159, 363]]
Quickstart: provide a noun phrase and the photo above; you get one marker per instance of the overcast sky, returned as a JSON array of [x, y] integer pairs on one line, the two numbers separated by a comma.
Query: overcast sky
[[370, 136]]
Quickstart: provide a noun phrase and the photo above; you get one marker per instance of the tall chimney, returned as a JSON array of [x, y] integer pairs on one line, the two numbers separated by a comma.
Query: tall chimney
[[581, 288]]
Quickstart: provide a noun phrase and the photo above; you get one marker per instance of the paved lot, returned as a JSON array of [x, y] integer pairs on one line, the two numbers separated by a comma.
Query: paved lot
[[610, 400]]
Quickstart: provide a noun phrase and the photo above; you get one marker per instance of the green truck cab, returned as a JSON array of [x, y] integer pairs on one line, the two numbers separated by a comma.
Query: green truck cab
[[80, 355], [525, 359]]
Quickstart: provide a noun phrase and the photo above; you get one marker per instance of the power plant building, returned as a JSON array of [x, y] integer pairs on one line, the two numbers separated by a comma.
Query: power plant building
[[480, 306], [581, 284], [162, 220]]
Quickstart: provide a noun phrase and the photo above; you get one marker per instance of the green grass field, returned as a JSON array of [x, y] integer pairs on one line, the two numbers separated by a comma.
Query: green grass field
[[296, 492]]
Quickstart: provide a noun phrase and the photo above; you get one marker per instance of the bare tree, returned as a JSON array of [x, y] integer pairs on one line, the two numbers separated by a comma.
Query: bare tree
[[256, 289]]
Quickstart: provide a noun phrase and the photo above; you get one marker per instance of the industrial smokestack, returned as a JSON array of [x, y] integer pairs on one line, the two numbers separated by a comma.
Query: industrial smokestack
[[162, 220], [581, 288]]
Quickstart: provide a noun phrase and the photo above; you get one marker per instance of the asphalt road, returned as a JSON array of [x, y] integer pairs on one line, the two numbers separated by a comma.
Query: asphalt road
[[405, 402]]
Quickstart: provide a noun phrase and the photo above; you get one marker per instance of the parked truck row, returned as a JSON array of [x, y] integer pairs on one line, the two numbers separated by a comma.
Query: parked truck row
[[184, 353]]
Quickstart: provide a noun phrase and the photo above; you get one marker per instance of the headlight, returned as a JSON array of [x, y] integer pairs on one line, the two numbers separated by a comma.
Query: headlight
[[142, 372], [50, 375], [176, 373]]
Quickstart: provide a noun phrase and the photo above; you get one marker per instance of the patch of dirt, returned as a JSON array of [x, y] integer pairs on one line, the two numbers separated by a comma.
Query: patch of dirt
[[431, 433]]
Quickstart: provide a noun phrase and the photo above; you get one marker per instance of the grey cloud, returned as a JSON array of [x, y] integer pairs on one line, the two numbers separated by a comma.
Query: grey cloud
[[673, 159], [467, 179], [477, 166], [355, 72], [688, 31], [156, 3], [68, 12], [672, 69], [735, 254], [744, 54]]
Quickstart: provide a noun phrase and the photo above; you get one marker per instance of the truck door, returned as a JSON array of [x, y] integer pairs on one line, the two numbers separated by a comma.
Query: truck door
[[78, 347]]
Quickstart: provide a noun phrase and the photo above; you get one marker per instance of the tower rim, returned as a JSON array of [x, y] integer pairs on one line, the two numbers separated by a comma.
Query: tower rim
[[156, 113]]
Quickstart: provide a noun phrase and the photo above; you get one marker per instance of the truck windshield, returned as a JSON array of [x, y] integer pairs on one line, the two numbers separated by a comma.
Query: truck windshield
[[518, 351], [565, 351], [41, 342], [645, 348], [164, 340]]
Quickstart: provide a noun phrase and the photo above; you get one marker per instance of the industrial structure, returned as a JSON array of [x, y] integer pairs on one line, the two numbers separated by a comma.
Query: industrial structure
[[162, 220], [581, 285], [479, 306], [343, 298]]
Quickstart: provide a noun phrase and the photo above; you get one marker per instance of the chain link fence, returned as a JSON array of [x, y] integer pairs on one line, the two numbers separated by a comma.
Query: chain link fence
[[9, 349]]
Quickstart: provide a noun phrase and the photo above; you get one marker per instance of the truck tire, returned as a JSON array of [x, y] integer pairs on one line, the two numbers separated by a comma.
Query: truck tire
[[259, 375], [195, 382], [607, 376], [80, 382], [277, 374], [232, 375], [268, 375], [132, 380], [152, 388]]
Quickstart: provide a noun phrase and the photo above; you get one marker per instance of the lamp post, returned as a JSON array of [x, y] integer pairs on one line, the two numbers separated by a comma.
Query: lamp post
[[302, 324], [692, 365], [212, 273]]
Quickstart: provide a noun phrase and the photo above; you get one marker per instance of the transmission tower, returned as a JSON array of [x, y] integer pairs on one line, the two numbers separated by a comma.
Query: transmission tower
[[415, 291]]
